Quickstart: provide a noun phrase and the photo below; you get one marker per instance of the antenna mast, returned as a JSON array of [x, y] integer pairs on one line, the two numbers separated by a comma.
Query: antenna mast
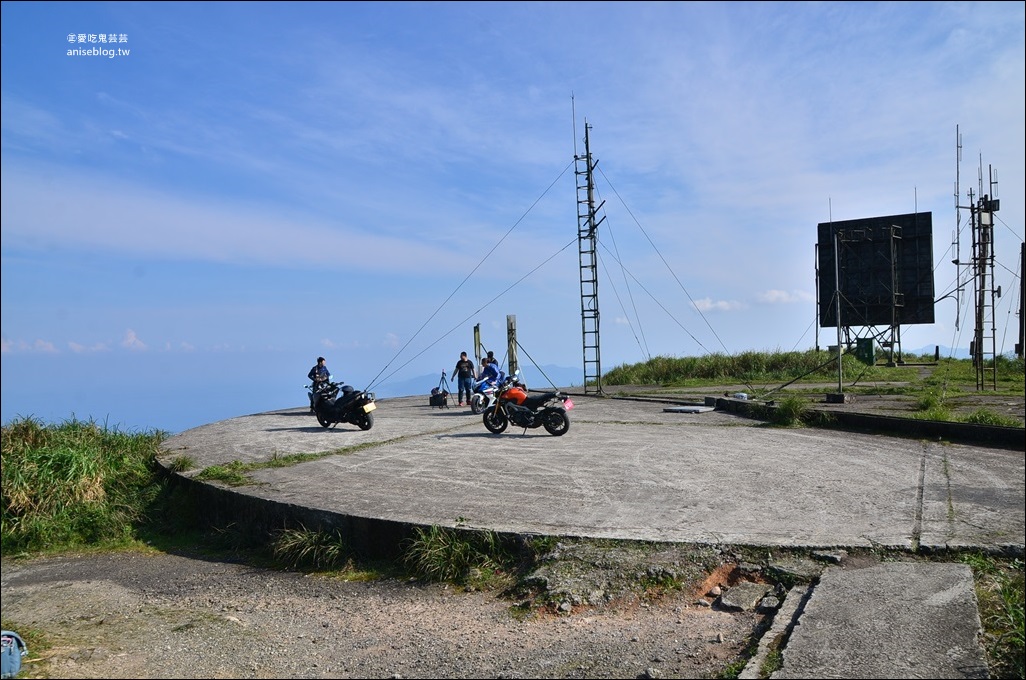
[[984, 348], [587, 241], [981, 207], [956, 240]]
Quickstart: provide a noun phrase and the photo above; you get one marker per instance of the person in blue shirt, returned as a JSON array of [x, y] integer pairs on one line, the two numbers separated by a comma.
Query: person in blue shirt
[[490, 372]]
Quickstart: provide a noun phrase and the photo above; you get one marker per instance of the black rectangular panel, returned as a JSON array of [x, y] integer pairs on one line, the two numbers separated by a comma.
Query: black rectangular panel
[[885, 267]]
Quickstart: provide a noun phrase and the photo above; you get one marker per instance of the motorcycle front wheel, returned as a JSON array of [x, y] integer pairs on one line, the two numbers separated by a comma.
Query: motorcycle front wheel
[[556, 422], [477, 404], [325, 423], [495, 420]]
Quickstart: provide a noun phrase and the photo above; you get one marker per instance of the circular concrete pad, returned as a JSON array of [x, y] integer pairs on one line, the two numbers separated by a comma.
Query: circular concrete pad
[[630, 470]]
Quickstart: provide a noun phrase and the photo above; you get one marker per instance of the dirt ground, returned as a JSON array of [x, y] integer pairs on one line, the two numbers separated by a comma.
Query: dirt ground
[[157, 615]]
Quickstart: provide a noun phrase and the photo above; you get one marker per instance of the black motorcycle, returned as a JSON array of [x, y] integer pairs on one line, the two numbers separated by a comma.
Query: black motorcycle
[[326, 389], [514, 405], [338, 403]]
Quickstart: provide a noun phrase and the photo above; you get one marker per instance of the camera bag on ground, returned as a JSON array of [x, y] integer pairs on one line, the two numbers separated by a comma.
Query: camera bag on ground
[[439, 397], [13, 649]]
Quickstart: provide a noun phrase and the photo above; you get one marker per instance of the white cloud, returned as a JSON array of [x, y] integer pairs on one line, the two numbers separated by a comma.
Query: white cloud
[[131, 341], [79, 348], [709, 305], [11, 346], [784, 297], [44, 346]]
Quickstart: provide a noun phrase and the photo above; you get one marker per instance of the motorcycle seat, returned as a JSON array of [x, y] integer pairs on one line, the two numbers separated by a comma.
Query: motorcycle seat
[[534, 401], [348, 393]]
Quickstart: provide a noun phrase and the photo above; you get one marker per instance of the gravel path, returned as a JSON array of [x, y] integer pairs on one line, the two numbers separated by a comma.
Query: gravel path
[[131, 615]]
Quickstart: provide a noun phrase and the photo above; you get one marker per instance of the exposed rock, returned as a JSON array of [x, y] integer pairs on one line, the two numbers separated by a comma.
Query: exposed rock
[[745, 596]]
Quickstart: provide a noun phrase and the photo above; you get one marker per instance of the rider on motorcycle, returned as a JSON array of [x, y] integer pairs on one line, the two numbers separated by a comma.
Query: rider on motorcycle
[[490, 373], [320, 376]]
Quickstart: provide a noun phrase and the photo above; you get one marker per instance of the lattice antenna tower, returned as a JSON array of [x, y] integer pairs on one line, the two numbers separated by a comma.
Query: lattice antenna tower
[[981, 206], [587, 241]]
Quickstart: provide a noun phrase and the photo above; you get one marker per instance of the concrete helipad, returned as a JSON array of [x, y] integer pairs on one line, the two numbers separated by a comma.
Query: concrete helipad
[[631, 470], [636, 470]]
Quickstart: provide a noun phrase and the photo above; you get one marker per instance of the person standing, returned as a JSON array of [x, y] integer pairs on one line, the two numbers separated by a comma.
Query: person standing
[[464, 372]]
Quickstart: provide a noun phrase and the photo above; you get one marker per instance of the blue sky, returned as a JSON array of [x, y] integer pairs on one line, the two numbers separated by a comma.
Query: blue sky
[[246, 186]]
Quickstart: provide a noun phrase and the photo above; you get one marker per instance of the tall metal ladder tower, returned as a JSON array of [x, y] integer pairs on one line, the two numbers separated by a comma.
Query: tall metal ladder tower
[[587, 242], [984, 349]]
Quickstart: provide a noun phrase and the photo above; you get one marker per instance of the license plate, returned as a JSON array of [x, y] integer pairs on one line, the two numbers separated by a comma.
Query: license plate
[[367, 408], [568, 404]]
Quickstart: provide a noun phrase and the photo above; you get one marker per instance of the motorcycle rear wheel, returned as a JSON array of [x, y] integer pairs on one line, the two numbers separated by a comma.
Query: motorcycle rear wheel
[[366, 421], [495, 421], [556, 422]]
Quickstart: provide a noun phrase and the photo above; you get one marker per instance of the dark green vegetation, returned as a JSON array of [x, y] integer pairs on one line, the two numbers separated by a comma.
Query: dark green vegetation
[[76, 485], [82, 486]]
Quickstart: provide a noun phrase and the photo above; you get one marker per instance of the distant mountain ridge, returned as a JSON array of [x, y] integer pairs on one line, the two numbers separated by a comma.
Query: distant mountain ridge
[[536, 378]]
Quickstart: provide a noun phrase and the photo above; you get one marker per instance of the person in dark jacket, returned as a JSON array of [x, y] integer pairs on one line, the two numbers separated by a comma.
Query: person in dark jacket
[[464, 372], [319, 377]]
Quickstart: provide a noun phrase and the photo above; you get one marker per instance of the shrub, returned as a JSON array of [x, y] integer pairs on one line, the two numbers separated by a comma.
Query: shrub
[[791, 411], [983, 416], [441, 554], [298, 548]]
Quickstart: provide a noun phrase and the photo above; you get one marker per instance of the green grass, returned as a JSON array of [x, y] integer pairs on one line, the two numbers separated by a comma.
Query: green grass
[[982, 416], [791, 411], [1001, 594], [807, 366], [804, 373], [75, 484], [740, 368], [319, 550], [466, 557]]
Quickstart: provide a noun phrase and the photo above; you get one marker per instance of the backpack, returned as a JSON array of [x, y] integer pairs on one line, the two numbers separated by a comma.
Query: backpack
[[13, 649], [438, 398]]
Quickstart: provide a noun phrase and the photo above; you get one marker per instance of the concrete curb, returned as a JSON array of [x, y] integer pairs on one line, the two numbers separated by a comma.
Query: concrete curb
[[966, 433]]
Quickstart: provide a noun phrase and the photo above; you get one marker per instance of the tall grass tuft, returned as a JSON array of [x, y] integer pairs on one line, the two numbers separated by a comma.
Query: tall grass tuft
[[791, 411], [458, 556], [304, 548], [982, 416], [74, 484], [929, 401]]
